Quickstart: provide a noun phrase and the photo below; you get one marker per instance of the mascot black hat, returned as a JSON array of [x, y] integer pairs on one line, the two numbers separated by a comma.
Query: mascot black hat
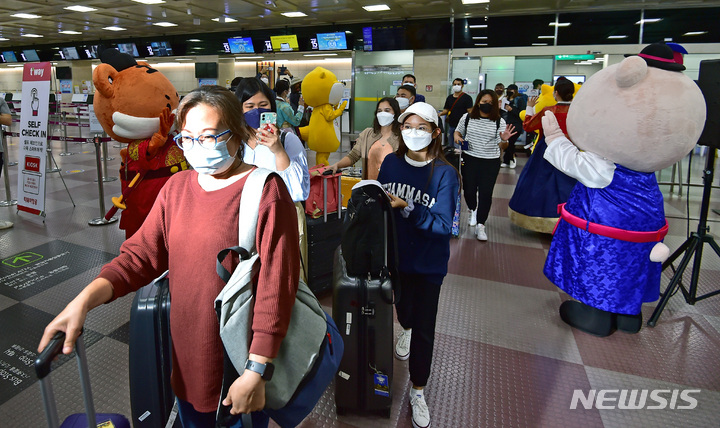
[[660, 55]]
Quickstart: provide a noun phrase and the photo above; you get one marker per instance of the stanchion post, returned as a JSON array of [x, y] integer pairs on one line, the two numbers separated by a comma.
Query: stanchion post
[[65, 137], [8, 196], [104, 159], [100, 220]]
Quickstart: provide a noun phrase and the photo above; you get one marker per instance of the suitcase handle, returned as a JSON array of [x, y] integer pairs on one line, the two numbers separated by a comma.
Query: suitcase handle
[[52, 350], [43, 368]]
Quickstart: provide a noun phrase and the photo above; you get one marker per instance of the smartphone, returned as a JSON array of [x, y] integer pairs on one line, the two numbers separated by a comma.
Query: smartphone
[[266, 119]]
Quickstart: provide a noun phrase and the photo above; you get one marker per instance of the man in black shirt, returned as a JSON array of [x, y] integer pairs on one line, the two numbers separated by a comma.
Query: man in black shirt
[[456, 105]]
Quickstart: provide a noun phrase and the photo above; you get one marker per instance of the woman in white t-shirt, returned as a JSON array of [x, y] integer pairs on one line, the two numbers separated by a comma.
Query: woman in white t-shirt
[[486, 134]]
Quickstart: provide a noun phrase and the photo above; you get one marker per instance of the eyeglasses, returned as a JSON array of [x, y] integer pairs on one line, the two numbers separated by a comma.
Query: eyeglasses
[[423, 128], [206, 141]]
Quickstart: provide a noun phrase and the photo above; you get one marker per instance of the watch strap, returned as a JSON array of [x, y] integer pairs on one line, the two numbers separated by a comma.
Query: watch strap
[[264, 370]]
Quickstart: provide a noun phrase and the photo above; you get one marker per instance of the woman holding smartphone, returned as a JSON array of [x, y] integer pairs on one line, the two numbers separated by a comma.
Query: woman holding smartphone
[[279, 151], [423, 188], [267, 147]]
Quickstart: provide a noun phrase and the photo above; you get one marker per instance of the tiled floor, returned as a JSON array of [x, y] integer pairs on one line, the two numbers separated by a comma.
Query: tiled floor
[[502, 356]]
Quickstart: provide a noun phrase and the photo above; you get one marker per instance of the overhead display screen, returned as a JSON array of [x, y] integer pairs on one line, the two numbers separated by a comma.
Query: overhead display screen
[[239, 45], [69, 53], [284, 43], [331, 41], [128, 48], [159, 49], [9, 56], [30, 55]]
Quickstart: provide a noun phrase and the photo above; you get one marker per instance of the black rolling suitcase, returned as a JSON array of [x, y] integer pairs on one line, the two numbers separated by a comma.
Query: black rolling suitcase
[[151, 395], [363, 312], [323, 236]]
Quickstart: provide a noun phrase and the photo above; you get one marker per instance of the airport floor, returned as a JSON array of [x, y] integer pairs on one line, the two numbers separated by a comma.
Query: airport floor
[[503, 357]]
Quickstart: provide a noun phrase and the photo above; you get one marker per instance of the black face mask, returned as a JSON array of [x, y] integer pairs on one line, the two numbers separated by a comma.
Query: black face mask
[[510, 93], [499, 92], [485, 108]]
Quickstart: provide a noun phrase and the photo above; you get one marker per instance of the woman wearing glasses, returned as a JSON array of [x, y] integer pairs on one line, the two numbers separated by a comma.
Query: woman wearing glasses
[[194, 216], [423, 187]]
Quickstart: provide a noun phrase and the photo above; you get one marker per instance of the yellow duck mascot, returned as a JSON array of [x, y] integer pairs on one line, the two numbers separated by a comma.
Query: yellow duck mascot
[[322, 91]]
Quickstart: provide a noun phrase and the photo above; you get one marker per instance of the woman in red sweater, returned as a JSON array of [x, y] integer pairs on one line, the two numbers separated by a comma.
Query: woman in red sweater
[[194, 217]]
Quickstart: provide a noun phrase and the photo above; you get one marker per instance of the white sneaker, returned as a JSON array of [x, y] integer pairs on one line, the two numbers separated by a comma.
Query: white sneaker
[[402, 346], [480, 232], [473, 218], [420, 411], [5, 224], [528, 146], [513, 164], [503, 165]]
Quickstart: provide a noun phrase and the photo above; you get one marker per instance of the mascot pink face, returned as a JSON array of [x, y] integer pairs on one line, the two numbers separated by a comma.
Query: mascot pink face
[[657, 115]]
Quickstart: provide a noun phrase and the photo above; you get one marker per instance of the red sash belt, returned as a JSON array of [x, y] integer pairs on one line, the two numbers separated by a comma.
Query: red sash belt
[[612, 232]]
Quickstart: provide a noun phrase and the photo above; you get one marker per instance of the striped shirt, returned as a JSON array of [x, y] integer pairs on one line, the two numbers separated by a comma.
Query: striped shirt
[[483, 136]]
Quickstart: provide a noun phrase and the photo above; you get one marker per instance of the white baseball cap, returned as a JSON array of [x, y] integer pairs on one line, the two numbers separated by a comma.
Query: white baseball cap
[[424, 110]]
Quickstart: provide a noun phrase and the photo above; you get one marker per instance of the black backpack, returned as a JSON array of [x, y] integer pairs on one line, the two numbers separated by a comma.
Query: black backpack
[[368, 239]]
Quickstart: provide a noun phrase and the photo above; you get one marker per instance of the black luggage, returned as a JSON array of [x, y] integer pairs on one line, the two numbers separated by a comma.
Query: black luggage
[[151, 395], [364, 316], [323, 237], [362, 304], [42, 370]]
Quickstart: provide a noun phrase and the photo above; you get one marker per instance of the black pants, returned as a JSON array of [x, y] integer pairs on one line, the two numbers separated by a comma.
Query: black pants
[[510, 151], [479, 176], [417, 309]]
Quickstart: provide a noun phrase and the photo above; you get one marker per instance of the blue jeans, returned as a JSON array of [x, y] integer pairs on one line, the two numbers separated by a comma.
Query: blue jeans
[[191, 418], [450, 136]]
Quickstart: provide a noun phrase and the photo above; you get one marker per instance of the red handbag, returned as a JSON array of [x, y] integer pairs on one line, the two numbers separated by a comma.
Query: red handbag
[[325, 196]]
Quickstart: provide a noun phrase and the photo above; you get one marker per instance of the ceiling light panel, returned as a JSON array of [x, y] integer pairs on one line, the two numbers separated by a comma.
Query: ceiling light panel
[[376, 7], [79, 8], [26, 16], [165, 24], [293, 14], [114, 28], [149, 1]]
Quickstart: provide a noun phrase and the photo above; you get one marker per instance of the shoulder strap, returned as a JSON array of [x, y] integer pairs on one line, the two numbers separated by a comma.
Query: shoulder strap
[[467, 119], [497, 125], [456, 100], [282, 137], [249, 208]]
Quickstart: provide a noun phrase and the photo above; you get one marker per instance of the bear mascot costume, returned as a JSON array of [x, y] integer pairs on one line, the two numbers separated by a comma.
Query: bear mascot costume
[[134, 103], [540, 186], [322, 91], [628, 121]]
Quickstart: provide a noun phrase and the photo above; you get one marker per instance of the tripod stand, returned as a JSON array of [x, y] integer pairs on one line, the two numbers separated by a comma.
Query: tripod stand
[[693, 246]]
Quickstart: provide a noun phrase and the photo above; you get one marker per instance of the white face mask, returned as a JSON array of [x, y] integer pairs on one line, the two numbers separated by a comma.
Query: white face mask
[[416, 140], [384, 118], [457, 88], [210, 161], [404, 102]]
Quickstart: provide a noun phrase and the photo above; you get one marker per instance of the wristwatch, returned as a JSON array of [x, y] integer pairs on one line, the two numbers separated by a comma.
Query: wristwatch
[[265, 370]]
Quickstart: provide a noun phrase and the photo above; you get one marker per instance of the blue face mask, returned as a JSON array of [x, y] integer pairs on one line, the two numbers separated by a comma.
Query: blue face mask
[[252, 117], [210, 161]]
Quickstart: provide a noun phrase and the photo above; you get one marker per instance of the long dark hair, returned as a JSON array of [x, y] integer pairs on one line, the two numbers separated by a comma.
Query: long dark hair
[[494, 113], [396, 109], [565, 88], [224, 103], [249, 87], [435, 151]]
